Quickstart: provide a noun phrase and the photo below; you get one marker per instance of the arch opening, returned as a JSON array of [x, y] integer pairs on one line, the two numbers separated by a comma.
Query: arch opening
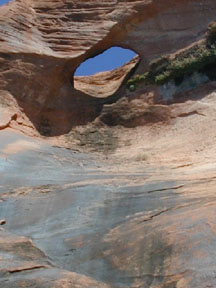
[[102, 75]]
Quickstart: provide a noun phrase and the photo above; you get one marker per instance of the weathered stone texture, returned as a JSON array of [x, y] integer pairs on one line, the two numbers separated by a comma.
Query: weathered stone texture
[[131, 202]]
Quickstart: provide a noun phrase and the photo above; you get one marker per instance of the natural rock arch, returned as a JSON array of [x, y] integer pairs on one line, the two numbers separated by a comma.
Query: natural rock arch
[[99, 78], [44, 53]]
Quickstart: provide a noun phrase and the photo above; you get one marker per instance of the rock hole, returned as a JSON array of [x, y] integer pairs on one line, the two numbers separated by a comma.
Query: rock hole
[[102, 75]]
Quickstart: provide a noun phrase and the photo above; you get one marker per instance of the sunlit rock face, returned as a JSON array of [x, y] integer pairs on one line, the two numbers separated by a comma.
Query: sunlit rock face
[[125, 196]]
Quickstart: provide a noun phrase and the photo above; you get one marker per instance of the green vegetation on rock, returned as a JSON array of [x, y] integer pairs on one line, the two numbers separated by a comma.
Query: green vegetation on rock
[[198, 58], [211, 34]]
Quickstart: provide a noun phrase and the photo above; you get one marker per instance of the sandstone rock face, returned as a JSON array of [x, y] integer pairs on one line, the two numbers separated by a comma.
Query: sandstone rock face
[[128, 200], [42, 43]]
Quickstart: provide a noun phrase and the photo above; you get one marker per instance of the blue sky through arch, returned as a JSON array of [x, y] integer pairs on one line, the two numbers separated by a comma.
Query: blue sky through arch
[[110, 59], [2, 2]]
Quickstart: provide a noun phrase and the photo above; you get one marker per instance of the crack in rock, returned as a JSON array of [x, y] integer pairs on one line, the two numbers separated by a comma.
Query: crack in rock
[[166, 189], [18, 270]]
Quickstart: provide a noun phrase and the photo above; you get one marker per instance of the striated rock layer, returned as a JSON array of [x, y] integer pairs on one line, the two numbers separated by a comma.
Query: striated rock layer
[[125, 196]]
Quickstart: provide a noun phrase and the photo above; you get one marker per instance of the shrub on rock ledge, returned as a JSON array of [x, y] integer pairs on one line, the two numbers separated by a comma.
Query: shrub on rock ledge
[[211, 34], [194, 59]]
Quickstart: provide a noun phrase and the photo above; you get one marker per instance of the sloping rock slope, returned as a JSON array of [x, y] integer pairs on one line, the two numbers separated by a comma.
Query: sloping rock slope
[[123, 193]]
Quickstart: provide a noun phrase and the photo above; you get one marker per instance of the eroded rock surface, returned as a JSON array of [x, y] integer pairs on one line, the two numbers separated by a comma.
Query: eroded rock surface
[[127, 200]]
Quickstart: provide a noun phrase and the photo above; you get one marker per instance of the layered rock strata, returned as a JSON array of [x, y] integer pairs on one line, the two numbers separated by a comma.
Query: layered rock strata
[[131, 202]]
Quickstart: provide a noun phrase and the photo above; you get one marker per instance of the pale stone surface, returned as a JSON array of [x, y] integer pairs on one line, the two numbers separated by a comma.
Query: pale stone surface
[[131, 201]]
